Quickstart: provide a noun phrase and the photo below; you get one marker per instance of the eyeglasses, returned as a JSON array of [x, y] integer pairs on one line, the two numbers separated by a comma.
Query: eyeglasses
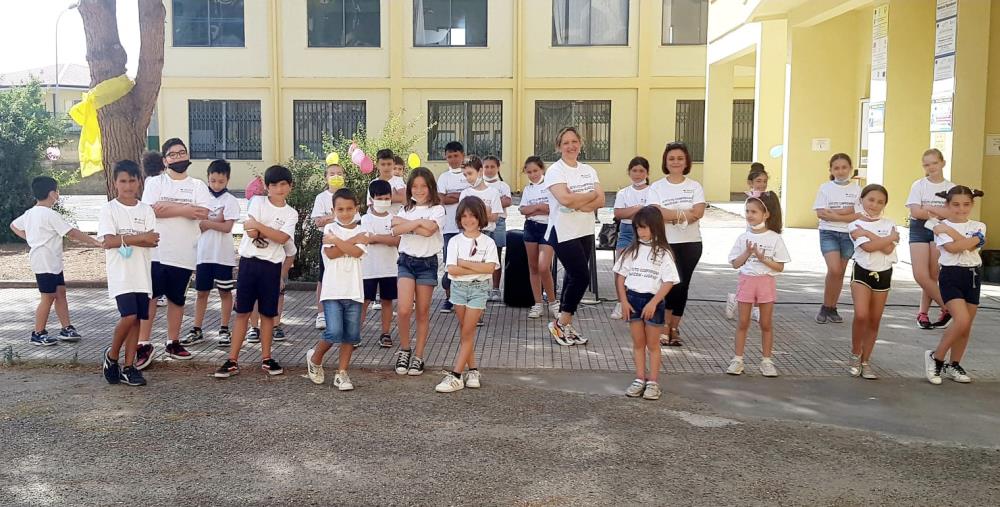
[[176, 154]]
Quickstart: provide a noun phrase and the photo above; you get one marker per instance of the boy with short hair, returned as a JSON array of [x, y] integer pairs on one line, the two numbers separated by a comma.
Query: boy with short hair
[[126, 228], [278, 335], [43, 229], [216, 255], [322, 214], [450, 185], [386, 163], [398, 167], [270, 224], [378, 266]]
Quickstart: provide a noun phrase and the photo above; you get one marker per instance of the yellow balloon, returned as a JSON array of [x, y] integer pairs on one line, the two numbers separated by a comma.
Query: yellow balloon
[[333, 158], [336, 182], [413, 160]]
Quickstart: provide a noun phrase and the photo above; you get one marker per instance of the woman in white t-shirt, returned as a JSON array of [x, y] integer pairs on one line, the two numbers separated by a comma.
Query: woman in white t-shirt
[[682, 203], [575, 195], [491, 174], [628, 202], [925, 206], [534, 208]]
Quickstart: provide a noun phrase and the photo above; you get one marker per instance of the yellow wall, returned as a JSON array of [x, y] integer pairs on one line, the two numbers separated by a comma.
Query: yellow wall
[[300, 60], [496, 60], [542, 59], [990, 205], [254, 60]]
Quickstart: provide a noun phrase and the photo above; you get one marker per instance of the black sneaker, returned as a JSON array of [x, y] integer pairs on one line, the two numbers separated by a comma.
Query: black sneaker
[[193, 336], [228, 369], [132, 377], [943, 321], [69, 334], [279, 334], [271, 367], [112, 372], [225, 337], [175, 350], [253, 335], [833, 316], [447, 307], [385, 340], [43, 339], [402, 361], [144, 356]]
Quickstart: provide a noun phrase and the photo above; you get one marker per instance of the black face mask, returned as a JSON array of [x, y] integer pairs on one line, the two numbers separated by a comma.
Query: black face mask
[[179, 166], [217, 194]]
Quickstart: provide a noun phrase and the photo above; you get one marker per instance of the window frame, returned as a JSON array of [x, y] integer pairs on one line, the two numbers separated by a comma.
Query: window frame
[[697, 155], [748, 107], [628, 21], [309, 43], [362, 125], [197, 155], [436, 154], [663, 28], [208, 24], [538, 142], [486, 29]]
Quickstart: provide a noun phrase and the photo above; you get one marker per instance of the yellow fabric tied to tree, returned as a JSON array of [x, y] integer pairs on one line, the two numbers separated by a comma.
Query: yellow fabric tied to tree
[[85, 114]]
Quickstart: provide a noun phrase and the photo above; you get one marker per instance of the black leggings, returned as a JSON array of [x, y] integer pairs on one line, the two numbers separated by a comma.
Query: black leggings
[[574, 254], [686, 256]]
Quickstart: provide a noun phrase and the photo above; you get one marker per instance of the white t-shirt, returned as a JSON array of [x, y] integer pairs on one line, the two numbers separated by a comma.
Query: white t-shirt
[[681, 196], [130, 275], [922, 193], [415, 245], [873, 261], [504, 190], [216, 247], [323, 206], [490, 197], [569, 223], [833, 196], [461, 246], [769, 242], [630, 196], [533, 195], [178, 235], [44, 229], [395, 183], [449, 182], [282, 219], [380, 260], [645, 273], [968, 258], [342, 276]]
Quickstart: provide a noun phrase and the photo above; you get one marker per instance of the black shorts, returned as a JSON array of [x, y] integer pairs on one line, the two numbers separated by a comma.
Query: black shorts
[[534, 232], [49, 282], [208, 276], [322, 266], [959, 282], [133, 303], [259, 282], [170, 281], [386, 288], [878, 281]]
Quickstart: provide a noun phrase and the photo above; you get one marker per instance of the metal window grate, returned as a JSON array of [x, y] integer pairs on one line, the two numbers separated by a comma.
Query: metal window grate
[[478, 125], [742, 130], [690, 127], [313, 118], [591, 117], [227, 129], [208, 23]]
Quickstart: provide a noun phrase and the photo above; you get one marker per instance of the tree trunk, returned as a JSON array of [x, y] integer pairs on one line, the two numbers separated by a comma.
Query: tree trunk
[[125, 121]]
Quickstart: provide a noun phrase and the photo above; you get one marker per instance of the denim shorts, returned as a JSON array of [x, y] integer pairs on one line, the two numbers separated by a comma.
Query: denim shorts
[[638, 301], [919, 233], [343, 321], [834, 241], [422, 269], [470, 294], [500, 233], [626, 234], [534, 232]]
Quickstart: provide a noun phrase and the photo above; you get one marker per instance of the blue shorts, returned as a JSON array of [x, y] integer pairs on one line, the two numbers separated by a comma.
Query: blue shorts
[[259, 282], [49, 282], [470, 294], [386, 288], [638, 301], [422, 269], [959, 282], [208, 276], [919, 233], [626, 235], [133, 303], [343, 321], [500, 234], [534, 232], [836, 241], [170, 281]]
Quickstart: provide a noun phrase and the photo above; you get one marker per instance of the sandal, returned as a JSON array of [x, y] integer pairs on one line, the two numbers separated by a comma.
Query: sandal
[[673, 339]]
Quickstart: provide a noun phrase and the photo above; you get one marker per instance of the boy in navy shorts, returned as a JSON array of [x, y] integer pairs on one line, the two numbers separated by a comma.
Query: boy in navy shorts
[[378, 267]]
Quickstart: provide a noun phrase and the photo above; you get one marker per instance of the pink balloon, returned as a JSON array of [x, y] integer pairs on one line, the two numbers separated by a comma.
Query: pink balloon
[[357, 157], [351, 149], [367, 166]]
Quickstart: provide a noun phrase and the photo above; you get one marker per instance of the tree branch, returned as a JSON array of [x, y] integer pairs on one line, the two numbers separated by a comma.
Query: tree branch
[[152, 16]]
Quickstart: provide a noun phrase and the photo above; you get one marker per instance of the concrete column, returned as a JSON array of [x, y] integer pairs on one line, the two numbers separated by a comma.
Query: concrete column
[[769, 95], [968, 113], [718, 131]]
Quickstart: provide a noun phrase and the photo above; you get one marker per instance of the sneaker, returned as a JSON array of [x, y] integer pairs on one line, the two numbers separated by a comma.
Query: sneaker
[[161, 301], [634, 390], [271, 367], [931, 368], [225, 337], [279, 334], [494, 295], [228, 369], [755, 314], [447, 307], [652, 392], [731, 306], [616, 314], [377, 305], [315, 371], [144, 355], [320, 321], [481, 322], [867, 372], [767, 368], [833, 316], [131, 376], [955, 372], [175, 350], [923, 321], [193, 336], [554, 309], [385, 340], [822, 316], [253, 335], [559, 335], [43, 339], [854, 366], [402, 361], [735, 367], [342, 382], [943, 320], [535, 311], [472, 379], [575, 335], [449, 384], [69, 334], [416, 367], [112, 372]]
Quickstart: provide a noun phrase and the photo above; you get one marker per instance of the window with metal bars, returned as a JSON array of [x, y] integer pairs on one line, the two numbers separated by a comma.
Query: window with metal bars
[[592, 118], [313, 118], [477, 124], [227, 129], [690, 127], [208, 23], [343, 23], [742, 130]]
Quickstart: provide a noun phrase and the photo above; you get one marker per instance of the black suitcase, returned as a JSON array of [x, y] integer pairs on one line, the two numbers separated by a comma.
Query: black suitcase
[[516, 278]]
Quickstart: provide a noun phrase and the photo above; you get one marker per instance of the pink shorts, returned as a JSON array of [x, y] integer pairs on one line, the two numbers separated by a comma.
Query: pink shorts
[[756, 289]]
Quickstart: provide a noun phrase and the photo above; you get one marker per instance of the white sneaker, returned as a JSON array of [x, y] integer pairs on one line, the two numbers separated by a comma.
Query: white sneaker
[[867, 372], [472, 378], [634, 390], [652, 392], [767, 368], [931, 370], [315, 370], [755, 314], [320, 321], [957, 373], [554, 309], [494, 295], [377, 305], [575, 335], [735, 367], [449, 384], [342, 382], [535, 311], [616, 314], [854, 367], [731, 306]]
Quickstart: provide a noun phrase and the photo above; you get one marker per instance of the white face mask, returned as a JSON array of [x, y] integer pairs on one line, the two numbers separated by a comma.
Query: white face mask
[[342, 224], [645, 242], [476, 183], [382, 205], [489, 179], [454, 170], [638, 184], [842, 181], [759, 227]]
